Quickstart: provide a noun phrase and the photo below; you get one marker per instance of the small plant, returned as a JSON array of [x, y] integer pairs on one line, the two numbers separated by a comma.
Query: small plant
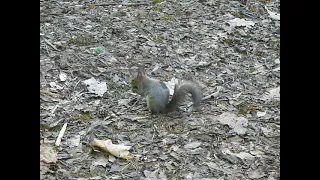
[[239, 15], [142, 14], [264, 1], [56, 128], [252, 68], [156, 8], [44, 126], [276, 103], [244, 109], [122, 13], [251, 108], [85, 116], [81, 39], [253, 9], [157, 1], [277, 45], [98, 50], [277, 42], [167, 17], [92, 6], [157, 38], [228, 41]]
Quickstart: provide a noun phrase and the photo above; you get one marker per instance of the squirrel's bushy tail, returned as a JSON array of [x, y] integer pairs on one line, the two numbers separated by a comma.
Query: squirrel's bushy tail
[[180, 91]]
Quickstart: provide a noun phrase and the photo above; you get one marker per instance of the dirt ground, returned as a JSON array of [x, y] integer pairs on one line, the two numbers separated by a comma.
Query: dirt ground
[[88, 53]]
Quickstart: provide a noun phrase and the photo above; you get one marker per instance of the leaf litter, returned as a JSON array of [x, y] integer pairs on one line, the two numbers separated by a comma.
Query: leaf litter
[[87, 58], [238, 124]]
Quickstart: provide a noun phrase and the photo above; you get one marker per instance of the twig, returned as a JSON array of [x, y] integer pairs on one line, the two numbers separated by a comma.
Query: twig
[[138, 118], [80, 29], [78, 57], [76, 85], [63, 129], [247, 14], [213, 95], [144, 37], [54, 109], [123, 4], [50, 44]]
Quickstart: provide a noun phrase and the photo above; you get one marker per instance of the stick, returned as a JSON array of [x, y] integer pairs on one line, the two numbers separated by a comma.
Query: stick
[[63, 129], [80, 29], [54, 109], [123, 4], [50, 44]]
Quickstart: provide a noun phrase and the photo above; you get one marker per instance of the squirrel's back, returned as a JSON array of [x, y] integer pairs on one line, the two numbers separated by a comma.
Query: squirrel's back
[[157, 95]]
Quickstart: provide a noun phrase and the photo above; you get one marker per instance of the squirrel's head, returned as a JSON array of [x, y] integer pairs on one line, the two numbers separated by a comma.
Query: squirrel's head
[[137, 81]]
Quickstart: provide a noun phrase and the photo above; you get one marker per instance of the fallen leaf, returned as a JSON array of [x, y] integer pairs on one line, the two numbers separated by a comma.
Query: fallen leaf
[[114, 168], [112, 59], [260, 114], [240, 22], [241, 155], [213, 165], [271, 177], [273, 94], [123, 102], [117, 150], [162, 175], [48, 154], [88, 27], [73, 141], [100, 69], [100, 161], [96, 87], [276, 69], [151, 175], [256, 174], [43, 170], [267, 132], [55, 86], [273, 15], [151, 43], [238, 124], [192, 145], [257, 153], [115, 79]]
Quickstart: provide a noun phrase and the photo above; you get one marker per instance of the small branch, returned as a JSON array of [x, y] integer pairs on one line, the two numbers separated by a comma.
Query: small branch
[[77, 57], [80, 29], [54, 109], [63, 129], [50, 44], [123, 4]]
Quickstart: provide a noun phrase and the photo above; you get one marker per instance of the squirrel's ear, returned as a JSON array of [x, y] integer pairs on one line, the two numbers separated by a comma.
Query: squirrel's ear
[[141, 71]]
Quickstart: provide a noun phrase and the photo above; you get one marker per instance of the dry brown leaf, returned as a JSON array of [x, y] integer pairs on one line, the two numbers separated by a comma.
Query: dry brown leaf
[[117, 150]]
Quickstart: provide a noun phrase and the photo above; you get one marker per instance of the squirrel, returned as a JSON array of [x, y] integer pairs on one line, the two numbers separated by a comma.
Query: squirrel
[[157, 93]]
